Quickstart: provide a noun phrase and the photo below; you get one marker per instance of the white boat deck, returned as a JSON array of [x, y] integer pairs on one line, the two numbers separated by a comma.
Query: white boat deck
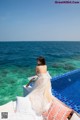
[[12, 115]]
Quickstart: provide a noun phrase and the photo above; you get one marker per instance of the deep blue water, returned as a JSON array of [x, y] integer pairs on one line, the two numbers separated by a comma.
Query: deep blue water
[[18, 61], [68, 88], [25, 53]]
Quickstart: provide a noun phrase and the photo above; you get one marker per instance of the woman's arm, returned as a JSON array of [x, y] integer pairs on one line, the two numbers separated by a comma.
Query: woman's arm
[[33, 77], [29, 82]]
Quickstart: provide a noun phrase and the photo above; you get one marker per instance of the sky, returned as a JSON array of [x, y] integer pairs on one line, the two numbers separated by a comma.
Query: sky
[[39, 20]]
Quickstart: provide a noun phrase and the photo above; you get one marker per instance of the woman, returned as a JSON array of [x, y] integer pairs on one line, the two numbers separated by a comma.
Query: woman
[[41, 95], [41, 68]]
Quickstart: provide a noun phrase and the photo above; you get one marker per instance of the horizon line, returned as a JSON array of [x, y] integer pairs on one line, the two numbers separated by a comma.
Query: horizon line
[[40, 41]]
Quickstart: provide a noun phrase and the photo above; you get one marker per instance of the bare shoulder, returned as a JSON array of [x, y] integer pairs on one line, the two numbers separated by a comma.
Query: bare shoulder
[[45, 65], [41, 66]]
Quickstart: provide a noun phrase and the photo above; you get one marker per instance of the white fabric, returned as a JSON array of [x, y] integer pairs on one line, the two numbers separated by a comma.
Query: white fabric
[[23, 104], [24, 107], [33, 77], [22, 116], [75, 117], [42, 86], [14, 105], [49, 75], [8, 107]]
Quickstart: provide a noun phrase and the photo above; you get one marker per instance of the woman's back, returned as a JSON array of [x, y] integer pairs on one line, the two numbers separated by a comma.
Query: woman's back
[[41, 94], [41, 69]]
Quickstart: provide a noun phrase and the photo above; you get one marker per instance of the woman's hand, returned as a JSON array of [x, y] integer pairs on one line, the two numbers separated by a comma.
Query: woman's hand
[[27, 85], [29, 82]]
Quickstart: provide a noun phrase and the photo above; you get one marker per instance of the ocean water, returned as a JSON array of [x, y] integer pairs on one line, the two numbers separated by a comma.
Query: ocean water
[[18, 61]]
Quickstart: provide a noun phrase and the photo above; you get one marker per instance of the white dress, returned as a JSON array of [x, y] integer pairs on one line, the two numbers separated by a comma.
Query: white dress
[[41, 96]]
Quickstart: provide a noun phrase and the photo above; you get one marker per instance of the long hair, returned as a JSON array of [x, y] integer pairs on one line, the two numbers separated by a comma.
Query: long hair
[[42, 60]]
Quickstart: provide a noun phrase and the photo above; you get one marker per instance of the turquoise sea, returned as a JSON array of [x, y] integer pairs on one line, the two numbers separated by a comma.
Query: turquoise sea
[[18, 61]]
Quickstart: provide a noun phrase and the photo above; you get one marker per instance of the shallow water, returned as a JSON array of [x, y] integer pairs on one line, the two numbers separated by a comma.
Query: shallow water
[[18, 61]]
